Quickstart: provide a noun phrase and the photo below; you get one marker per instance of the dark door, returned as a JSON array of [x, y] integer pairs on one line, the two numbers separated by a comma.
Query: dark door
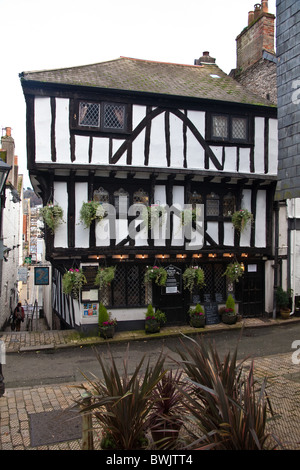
[[250, 290], [171, 298]]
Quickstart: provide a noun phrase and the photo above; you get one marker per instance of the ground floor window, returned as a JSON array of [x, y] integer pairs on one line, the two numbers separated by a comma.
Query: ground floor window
[[128, 288]]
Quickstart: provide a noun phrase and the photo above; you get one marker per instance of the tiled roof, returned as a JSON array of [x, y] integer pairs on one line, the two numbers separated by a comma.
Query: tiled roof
[[206, 81]]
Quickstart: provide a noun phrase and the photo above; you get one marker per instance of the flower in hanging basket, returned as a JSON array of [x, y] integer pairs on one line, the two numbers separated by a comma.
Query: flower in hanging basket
[[105, 276], [153, 214], [156, 274], [90, 211], [193, 277], [241, 218], [234, 271], [72, 282], [52, 215], [188, 216]]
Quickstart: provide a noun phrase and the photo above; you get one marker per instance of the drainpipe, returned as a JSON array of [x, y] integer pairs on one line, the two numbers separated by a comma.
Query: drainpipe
[[276, 241]]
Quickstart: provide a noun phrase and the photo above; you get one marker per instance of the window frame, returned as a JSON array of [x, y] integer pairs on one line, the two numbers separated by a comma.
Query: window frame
[[229, 139], [101, 129]]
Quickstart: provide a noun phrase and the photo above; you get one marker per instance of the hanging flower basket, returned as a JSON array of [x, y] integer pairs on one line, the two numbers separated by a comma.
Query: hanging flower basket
[[91, 210], [241, 218], [105, 276], [153, 214], [52, 215], [234, 271], [193, 277], [156, 274], [188, 216], [72, 282]]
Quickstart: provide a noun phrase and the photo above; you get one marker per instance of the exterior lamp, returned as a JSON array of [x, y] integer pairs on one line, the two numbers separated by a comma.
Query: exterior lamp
[[4, 171]]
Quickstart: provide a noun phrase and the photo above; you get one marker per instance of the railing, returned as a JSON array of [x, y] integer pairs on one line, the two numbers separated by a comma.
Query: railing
[[30, 310]]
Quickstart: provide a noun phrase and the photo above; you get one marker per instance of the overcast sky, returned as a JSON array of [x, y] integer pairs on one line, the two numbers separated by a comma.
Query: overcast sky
[[39, 35]]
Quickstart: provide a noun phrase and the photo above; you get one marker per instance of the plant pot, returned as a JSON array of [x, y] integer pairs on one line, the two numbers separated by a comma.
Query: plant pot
[[152, 326], [107, 331], [197, 322], [229, 319], [285, 313]]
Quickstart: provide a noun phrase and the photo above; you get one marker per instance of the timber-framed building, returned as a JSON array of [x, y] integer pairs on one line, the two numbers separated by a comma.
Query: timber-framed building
[[131, 131]]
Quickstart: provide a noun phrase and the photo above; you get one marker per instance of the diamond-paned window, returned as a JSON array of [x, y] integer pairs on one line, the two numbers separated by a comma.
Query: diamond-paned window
[[226, 128], [220, 127], [89, 114], [114, 116], [212, 204], [239, 128]]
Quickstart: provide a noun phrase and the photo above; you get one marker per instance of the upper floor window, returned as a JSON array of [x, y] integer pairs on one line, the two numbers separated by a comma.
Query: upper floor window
[[103, 117], [229, 128]]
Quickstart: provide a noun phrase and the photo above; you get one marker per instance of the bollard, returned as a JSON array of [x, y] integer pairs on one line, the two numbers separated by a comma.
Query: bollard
[[87, 427]]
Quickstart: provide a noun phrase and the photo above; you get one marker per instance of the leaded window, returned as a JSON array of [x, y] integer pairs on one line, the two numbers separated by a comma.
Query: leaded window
[[212, 204], [226, 128], [228, 204], [89, 114], [128, 288], [114, 116], [102, 116], [101, 195]]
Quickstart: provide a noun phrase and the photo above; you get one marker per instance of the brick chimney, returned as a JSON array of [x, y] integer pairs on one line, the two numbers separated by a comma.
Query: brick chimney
[[257, 37], [205, 59]]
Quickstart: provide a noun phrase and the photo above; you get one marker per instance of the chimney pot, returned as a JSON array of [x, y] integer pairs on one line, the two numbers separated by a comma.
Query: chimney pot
[[250, 17], [257, 10], [264, 6], [8, 131]]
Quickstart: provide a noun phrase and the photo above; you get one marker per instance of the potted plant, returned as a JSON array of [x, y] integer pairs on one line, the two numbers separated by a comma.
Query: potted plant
[[234, 271], [106, 324], [152, 321], [122, 393], [228, 314], [161, 317], [90, 211], [283, 301], [72, 282], [168, 413], [241, 218], [157, 274], [197, 316], [105, 276], [52, 215], [193, 277]]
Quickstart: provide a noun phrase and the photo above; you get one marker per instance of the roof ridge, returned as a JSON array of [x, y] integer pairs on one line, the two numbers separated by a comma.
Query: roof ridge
[[162, 62]]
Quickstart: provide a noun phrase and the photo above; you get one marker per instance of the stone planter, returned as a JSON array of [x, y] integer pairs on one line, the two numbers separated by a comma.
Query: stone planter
[[107, 331], [152, 326], [229, 319], [197, 322]]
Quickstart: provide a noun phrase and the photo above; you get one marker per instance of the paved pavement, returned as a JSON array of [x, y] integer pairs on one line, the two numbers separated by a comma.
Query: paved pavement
[[19, 406]]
